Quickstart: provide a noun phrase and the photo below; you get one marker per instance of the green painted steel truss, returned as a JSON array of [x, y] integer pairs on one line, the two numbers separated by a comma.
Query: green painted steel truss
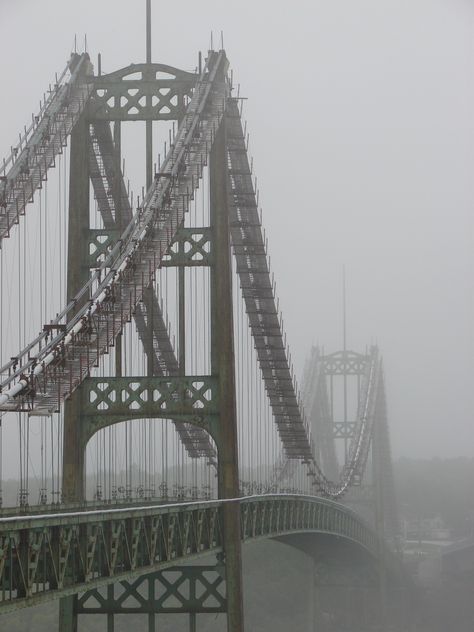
[[184, 589], [110, 400], [101, 242], [191, 247], [140, 92], [52, 555]]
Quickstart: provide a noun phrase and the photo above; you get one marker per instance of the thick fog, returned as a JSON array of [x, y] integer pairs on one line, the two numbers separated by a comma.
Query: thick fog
[[362, 131]]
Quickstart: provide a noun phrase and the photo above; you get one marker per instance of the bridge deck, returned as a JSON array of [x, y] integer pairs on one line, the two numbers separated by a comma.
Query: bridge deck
[[47, 556]]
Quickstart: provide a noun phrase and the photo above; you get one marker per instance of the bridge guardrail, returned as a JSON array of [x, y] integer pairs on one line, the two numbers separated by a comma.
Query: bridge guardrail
[[47, 556]]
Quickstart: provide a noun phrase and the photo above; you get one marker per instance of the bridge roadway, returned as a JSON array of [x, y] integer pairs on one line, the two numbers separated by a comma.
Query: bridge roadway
[[45, 556]]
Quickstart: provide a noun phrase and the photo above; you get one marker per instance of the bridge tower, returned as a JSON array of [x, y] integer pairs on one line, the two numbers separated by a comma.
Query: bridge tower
[[96, 157], [115, 259], [342, 391]]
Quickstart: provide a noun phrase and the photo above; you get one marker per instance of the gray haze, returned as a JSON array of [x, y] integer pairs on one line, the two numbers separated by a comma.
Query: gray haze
[[361, 121]]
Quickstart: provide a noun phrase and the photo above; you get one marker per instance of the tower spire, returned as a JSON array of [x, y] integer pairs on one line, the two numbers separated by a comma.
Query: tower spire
[[344, 322], [148, 31], [148, 124]]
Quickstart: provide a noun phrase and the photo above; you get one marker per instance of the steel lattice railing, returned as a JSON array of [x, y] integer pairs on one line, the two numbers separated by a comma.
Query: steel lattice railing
[[27, 167], [52, 555]]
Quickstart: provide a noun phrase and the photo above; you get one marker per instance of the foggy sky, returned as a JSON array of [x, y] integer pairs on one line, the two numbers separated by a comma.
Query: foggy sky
[[361, 121]]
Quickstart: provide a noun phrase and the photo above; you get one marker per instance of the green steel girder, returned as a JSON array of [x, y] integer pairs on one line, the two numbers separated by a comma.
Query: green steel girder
[[190, 247], [109, 400], [142, 92], [345, 363], [344, 429], [182, 589], [49, 556], [101, 242], [37, 561]]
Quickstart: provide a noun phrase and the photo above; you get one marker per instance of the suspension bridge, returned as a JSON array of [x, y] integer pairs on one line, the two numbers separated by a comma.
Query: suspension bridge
[[147, 386]]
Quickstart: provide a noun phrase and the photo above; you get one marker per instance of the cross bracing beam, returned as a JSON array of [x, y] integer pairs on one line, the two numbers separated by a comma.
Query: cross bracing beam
[[345, 363], [182, 589], [114, 204], [142, 92], [111, 400], [345, 429], [23, 173], [101, 242], [49, 370], [48, 556], [191, 247]]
